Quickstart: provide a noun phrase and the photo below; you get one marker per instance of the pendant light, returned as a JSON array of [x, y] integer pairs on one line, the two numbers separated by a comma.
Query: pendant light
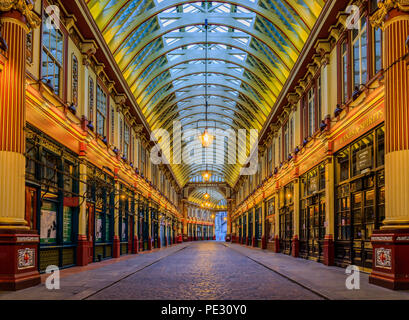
[[206, 138]]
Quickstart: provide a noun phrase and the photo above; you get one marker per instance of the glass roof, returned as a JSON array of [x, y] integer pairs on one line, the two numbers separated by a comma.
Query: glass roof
[[160, 47]]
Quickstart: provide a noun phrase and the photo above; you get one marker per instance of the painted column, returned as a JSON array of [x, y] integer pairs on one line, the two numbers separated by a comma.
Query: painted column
[[117, 243], [18, 244], [253, 240], [135, 225], [83, 245], [277, 221], [149, 226], [185, 227], [296, 219], [391, 242], [263, 225], [228, 221], [329, 213]]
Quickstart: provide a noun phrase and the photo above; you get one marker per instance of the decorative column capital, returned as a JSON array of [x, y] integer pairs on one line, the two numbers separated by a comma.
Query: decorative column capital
[[25, 7], [379, 17]]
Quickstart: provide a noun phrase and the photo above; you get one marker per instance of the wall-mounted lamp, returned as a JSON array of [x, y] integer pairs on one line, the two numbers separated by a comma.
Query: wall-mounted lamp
[[115, 150], [90, 126], [337, 111], [72, 108], [296, 150], [323, 125]]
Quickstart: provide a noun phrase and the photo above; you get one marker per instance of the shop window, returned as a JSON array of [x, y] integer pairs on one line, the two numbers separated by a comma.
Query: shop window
[[101, 111], [380, 151], [362, 155], [343, 220], [67, 224], [49, 171], [342, 166], [52, 56], [360, 54]]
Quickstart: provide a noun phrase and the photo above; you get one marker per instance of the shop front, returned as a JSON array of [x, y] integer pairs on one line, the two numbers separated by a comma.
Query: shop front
[[286, 219], [99, 213], [250, 224], [162, 230], [270, 223], [52, 198], [258, 231], [125, 220], [244, 228], [360, 198], [312, 214]]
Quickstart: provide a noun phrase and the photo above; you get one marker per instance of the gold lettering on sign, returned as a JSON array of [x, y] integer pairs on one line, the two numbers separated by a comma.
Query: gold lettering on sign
[[358, 129]]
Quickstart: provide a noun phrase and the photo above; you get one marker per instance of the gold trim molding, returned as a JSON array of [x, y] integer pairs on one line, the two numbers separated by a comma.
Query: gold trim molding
[[25, 7], [378, 19]]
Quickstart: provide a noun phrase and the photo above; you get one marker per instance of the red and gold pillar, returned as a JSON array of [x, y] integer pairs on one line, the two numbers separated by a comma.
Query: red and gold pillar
[[391, 242], [18, 244]]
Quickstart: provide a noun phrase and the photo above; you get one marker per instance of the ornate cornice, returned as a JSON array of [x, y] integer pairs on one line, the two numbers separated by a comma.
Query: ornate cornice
[[25, 7], [378, 18]]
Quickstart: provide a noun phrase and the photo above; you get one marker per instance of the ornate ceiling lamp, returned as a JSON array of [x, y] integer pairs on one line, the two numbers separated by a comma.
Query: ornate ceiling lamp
[[206, 138]]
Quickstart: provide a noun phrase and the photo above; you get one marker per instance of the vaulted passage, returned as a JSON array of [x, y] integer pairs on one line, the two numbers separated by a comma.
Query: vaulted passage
[[224, 138]]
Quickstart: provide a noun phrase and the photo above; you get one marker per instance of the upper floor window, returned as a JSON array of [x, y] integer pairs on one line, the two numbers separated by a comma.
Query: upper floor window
[[126, 140], [101, 111], [286, 140], [311, 112], [270, 159], [377, 51], [360, 54], [52, 56]]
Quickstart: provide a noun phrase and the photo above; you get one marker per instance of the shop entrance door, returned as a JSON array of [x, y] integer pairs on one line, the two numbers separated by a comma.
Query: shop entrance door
[[363, 219], [90, 231], [286, 229]]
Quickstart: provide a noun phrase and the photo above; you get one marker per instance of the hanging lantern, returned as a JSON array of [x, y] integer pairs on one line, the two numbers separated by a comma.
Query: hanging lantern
[[206, 175], [206, 196], [206, 139]]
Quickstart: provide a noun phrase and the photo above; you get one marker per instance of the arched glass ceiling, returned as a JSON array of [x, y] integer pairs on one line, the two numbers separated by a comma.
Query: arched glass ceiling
[[160, 47], [216, 199]]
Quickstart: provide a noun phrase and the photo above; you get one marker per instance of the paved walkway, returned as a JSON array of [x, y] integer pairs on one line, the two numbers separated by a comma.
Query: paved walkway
[[206, 270]]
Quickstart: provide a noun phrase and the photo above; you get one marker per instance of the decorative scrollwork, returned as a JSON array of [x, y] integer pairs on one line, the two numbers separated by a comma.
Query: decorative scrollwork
[[25, 7], [378, 19]]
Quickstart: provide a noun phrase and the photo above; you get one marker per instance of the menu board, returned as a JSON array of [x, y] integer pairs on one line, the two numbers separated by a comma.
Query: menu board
[[107, 234], [48, 225], [123, 236], [364, 159], [67, 228], [98, 228]]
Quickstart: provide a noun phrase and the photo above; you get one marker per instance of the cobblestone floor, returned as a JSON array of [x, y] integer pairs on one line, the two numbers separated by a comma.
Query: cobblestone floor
[[206, 270]]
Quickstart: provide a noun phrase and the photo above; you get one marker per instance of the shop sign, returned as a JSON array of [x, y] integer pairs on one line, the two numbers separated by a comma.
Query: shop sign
[[364, 159], [313, 184], [48, 228], [26, 258], [370, 120], [383, 258]]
